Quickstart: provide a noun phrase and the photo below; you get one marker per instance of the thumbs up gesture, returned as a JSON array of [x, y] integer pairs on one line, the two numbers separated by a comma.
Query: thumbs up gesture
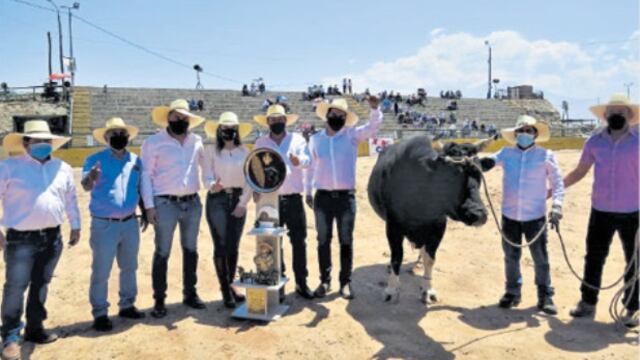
[[95, 172]]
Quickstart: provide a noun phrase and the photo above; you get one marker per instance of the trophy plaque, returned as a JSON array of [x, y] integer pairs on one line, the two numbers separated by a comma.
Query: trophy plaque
[[264, 171]]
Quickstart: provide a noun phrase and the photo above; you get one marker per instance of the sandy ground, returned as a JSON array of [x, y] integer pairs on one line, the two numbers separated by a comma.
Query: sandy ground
[[464, 324]]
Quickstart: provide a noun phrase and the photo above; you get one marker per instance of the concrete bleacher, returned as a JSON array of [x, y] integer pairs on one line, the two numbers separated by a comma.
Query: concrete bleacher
[[93, 106]]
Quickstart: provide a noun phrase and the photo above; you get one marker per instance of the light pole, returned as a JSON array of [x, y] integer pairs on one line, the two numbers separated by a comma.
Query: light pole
[[628, 86], [59, 35], [198, 70], [72, 60], [486, 42]]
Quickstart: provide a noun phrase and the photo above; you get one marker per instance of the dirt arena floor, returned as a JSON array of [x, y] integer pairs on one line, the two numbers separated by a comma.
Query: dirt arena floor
[[465, 323]]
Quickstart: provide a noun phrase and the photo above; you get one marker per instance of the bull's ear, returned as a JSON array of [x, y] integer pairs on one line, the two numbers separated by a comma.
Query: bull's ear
[[480, 145], [437, 145]]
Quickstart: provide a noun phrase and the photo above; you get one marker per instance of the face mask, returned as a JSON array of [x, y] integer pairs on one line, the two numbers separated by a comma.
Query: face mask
[[277, 128], [119, 142], [336, 122], [178, 127], [616, 121], [40, 151], [524, 140], [228, 134]]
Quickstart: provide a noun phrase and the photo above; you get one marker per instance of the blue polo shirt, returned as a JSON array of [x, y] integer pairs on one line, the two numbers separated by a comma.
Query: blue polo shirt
[[117, 191]]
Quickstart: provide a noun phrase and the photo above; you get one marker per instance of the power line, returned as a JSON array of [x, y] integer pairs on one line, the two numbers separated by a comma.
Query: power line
[[34, 5]]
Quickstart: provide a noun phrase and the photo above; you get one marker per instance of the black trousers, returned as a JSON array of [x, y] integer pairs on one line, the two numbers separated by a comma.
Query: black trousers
[[293, 217], [341, 207], [602, 227]]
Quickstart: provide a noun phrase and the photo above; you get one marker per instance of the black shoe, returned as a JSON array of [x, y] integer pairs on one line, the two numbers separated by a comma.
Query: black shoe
[[547, 306], [40, 336], [346, 292], [322, 290], [102, 323], [509, 300], [583, 310], [159, 310], [304, 291], [194, 301], [131, 313], [238, 296]]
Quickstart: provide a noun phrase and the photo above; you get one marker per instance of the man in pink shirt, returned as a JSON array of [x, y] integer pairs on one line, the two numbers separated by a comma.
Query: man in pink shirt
[[614, 201]]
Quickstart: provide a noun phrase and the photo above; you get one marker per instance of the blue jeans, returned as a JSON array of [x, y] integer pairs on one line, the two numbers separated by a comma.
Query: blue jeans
[[113, 240], [225, 228], [172, 213], [30, 260], [341, 207], [514, 230]]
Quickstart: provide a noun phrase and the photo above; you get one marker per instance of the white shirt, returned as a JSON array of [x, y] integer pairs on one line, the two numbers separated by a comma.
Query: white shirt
[[295, 144], [171, 168], [333, 158], [524, 188], [35, 195], [228, 167]]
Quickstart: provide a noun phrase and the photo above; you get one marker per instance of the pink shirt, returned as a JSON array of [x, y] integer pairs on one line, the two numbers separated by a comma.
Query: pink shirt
[[615, 185]]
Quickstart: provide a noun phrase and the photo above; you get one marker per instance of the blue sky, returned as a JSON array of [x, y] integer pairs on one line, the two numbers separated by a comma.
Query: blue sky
[[575, 50]]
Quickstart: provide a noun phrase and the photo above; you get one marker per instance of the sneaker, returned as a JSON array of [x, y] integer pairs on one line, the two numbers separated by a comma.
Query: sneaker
[[194, 302], [509, 300], [40, 336], [346, 291], [304, 291], [131, 313], [11, 351], [102, 323], [630, 318], [547, 306], [322, 290], [583, 310]]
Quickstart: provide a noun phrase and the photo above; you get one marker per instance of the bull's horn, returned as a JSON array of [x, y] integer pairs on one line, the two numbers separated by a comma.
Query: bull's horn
[[437, 145], [481, 144]]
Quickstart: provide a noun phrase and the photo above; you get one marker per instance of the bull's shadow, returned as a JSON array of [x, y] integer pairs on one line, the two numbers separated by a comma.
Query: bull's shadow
[[396, 326]]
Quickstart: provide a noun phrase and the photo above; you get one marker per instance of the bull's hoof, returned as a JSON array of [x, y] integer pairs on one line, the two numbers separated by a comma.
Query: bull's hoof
[[429, 297]]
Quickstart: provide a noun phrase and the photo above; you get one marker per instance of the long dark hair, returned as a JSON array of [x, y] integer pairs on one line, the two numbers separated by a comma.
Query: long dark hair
[[220, 142]]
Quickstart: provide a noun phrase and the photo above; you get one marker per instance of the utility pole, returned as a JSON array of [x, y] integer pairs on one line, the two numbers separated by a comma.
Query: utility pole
[[628, 86], [486, 42], [59, 35], [72, 59]]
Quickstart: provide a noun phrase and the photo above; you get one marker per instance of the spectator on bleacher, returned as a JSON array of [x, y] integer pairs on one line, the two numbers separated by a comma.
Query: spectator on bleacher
[[482, 128], [386, 105], [200, 105], [245, 90], [458, 94], [193, 105], [474, 125], [344, 85], [396, 108], [453, 105], [265, 104], [262, 88], [452, 118], [349, 86]]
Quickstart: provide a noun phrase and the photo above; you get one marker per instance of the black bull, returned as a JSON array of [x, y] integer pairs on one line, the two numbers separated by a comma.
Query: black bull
[[414, 188]]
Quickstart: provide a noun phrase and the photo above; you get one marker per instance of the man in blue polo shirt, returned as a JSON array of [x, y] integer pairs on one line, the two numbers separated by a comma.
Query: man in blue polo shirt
[[113, 177]]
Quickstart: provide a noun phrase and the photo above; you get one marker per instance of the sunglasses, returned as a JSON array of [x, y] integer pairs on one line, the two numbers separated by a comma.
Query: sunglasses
[[531, 131]]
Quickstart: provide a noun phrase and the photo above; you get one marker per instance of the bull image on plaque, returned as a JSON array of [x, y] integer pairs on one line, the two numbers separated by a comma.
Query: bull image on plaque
[[265, 171]]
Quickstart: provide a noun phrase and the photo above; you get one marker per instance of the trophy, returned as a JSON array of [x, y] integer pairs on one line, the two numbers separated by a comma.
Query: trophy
[[264, 171]]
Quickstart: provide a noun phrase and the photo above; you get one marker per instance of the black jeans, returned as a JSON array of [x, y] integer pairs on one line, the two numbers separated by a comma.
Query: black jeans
[[341, 207], [30, 259], [293, 217], [602, 226], [225, 228]]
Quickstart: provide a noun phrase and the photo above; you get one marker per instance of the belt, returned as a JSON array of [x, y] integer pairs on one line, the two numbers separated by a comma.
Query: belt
[[336, 193], [40, 232], [289, 196], [126, 218], [179, 198], [228, 191]]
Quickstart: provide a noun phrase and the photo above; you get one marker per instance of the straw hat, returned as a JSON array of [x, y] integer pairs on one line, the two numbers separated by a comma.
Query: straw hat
[[160, 114], [227, 118], [544, 133], [36, 129], [341, 104], [275, 110], [112, 124], [617, 99]]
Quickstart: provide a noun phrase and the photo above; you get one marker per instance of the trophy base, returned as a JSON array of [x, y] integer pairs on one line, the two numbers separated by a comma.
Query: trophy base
[[262, 302]]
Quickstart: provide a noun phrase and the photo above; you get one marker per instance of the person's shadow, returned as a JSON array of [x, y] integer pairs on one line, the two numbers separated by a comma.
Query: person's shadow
[[586, 335], [396, 327]]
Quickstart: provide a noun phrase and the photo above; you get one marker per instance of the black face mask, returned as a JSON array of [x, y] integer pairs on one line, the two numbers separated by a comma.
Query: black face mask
[[178, 127], [616, 121], [277, 128], [119, 142], [336, 122], [228, 134]]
